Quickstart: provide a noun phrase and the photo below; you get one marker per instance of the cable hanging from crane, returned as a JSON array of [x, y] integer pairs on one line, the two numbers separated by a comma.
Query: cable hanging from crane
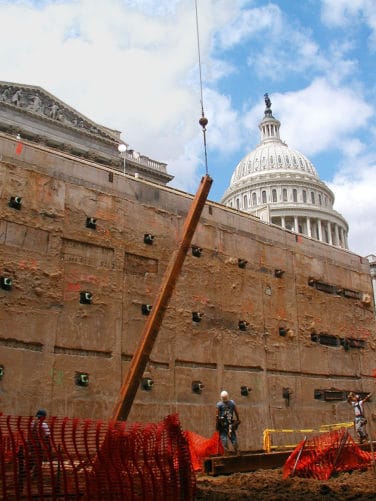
[[203, 120]]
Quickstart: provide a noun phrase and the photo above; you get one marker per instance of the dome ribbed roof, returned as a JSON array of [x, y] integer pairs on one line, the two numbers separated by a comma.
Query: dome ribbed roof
[[272, 155]]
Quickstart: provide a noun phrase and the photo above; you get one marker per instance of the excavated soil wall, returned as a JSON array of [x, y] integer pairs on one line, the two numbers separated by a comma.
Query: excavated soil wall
[[287, 331]]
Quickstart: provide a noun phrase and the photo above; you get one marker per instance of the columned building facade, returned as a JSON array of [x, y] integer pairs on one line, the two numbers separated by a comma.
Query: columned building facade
[[282, 187], [372, 262]]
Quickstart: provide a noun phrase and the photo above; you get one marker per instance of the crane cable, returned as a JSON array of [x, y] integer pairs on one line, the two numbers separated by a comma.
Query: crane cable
[[203, 120]]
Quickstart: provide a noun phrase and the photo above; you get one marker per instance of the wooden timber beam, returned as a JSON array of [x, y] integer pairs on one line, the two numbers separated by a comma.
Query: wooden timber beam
[[224, 465], [141, 356]]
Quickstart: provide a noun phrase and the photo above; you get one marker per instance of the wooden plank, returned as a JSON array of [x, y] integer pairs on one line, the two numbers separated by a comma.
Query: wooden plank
[[246, 462]]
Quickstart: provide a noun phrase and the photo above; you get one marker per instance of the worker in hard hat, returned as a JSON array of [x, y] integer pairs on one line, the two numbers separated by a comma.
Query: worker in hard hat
[[39, 442], [359, 420], [227, 421]]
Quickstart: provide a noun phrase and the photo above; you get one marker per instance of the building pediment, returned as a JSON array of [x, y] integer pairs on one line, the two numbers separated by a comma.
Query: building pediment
[[36, 101], [34, 114]]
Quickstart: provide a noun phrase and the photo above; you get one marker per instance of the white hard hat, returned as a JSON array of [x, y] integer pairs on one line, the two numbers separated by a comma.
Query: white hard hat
[[224, 395]]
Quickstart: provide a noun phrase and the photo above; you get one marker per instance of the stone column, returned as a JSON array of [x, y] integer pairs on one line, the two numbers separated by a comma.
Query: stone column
[[309, 227], [320, 229], [329, 226], [296, 224], [283, 222], [338, 243]]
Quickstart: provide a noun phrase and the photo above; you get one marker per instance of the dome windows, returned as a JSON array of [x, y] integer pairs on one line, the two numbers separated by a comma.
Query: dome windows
[[312, 197], [274, 195], [263, 196], [294, 195], [254, 199], [245, 202], [304, 193], [284, 194]]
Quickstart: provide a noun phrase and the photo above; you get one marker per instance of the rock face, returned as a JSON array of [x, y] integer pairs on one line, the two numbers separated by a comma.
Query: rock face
[[285, 324]]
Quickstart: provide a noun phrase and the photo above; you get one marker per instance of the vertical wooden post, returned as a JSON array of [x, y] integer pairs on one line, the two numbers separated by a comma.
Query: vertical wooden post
[[141, 356]]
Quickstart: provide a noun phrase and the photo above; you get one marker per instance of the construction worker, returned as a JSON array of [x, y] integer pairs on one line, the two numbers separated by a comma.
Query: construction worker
[[39, 440], [31, 454], [225, 422], [359, 419]]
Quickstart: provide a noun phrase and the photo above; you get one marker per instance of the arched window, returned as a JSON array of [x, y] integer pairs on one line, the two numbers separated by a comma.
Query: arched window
[[274, 195], [304, 196], [312, 197], [263, 195], [237, 204], [294, 195], [320, 202], [284, 195], [254, 199], [245, 202]]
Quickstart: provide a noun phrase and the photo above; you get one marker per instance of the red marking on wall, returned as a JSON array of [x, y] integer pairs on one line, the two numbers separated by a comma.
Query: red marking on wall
[[73, 287], [262, 258], [374, 373], [249, 307], [19, 148], [77, 277], [30, 264], [361, 332], [281, 313], [201, 299]]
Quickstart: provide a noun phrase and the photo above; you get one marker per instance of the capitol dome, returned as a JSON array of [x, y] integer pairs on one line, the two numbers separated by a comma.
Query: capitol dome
[[282, 187]]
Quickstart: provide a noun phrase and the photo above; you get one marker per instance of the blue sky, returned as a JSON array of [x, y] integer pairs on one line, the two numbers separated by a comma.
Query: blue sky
[[132, 65]]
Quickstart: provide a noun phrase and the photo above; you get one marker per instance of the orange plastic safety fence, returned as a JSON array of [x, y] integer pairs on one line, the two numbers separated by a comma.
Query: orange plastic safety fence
[[94, 460], [322, 456], [201, 448]]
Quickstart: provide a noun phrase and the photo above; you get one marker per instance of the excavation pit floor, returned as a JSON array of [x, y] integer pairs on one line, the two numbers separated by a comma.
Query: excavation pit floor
[[269, 485]]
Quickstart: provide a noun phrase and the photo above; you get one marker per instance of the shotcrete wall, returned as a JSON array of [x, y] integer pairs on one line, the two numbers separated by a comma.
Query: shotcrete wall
[[310, 329]]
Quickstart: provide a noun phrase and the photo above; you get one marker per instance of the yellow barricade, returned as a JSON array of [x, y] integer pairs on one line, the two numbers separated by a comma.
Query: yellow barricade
[[267, 434]]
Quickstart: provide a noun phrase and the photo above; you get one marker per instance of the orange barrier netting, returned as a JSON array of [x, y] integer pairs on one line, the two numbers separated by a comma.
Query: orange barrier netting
[[94, 460], [201, 448], [322, 456]]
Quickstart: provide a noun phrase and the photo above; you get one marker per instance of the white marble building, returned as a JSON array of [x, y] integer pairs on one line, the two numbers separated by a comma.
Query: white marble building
[[281, 186], [372, 262]]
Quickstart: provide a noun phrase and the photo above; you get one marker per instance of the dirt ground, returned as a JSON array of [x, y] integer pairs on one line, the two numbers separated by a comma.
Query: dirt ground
[[269, 485]]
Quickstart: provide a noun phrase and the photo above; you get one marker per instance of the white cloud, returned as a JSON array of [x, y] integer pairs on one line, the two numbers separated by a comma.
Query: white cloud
[[341, 12], [317, 118], [249, 23], [321, 117], [345, 13], [356, 201], [129, 65]]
